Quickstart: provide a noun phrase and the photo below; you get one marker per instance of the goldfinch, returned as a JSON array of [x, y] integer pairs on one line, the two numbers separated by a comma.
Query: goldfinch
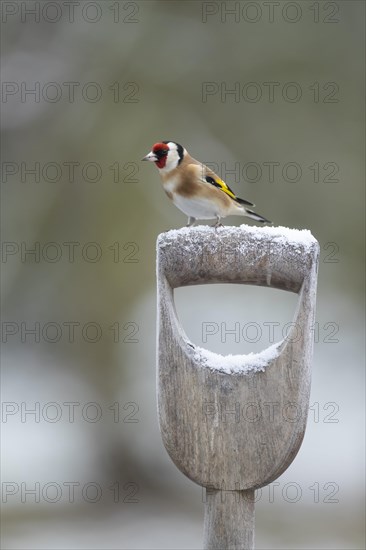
[[194, 188]]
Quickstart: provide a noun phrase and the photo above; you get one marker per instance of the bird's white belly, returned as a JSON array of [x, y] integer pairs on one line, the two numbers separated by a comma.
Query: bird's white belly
[[197, 207]]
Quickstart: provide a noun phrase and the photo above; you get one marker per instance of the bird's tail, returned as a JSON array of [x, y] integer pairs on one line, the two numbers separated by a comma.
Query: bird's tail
[[256, 216]]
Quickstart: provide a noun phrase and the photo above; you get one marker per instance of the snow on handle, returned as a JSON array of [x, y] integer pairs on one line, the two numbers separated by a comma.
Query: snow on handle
[[283, 234], [278, 257], [237, 364]]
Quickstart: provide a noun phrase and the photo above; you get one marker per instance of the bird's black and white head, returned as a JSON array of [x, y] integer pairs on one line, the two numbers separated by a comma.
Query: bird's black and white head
[[167, 155]]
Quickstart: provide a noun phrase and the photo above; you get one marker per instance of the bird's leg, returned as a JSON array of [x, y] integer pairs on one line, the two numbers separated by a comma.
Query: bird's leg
[[218, 222], [191, 221]]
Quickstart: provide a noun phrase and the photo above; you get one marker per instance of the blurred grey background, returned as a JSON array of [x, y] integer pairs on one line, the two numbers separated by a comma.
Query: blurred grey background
[[87, 88]]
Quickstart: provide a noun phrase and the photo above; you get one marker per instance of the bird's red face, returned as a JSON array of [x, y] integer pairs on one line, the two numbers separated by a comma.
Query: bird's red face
[[161, 151], [158, 154], [167, 155]]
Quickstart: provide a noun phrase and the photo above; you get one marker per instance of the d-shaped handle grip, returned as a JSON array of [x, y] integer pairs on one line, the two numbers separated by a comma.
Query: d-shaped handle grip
[[206, 449], [274, 257], [199, 407]]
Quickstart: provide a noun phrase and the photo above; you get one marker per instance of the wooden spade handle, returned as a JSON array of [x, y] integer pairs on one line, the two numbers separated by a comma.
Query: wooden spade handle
[[229, 520], [230, 456]]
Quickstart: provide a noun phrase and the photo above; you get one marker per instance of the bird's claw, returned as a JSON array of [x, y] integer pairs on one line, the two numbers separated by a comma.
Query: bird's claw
[[191, 222], [217, 225]]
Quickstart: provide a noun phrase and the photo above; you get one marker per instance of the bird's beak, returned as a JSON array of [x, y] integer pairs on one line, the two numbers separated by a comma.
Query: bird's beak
[[151, 157]]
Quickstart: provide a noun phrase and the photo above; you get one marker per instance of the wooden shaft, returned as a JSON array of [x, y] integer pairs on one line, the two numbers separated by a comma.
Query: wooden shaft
[[229, 520]]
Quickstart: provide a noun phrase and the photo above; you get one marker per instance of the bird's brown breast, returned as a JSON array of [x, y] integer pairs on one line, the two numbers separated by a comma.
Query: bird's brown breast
[[181, 181]]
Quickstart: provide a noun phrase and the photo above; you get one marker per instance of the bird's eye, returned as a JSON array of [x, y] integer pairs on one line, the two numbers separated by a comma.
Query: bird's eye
[[160, 152]]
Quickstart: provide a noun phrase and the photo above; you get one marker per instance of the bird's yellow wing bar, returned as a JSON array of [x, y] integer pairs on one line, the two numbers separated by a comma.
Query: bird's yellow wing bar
[[218, 182]]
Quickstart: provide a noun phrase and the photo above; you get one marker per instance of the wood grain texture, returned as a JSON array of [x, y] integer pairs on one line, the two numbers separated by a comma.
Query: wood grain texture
[[200, 409], [229, 517]]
